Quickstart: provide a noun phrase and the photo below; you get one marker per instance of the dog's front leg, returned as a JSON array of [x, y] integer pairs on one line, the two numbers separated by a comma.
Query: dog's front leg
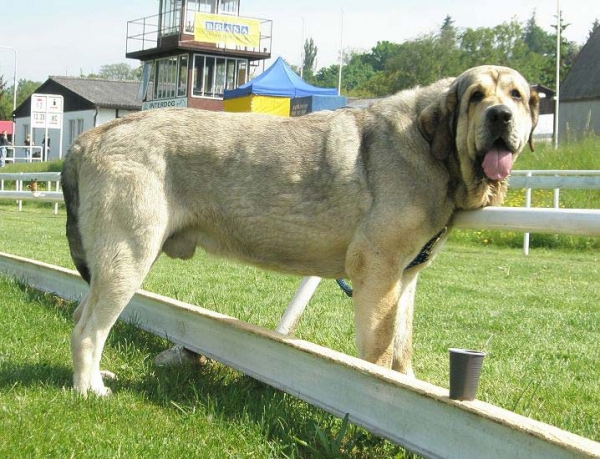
[[377, 287], [404, 324]]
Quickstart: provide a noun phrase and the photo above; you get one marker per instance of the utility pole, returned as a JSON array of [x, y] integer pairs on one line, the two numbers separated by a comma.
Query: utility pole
[[14, 87], [557, 96], [341, 55]]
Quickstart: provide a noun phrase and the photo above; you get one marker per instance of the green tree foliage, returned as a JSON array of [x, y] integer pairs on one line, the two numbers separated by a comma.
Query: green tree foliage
[[355, 73], [568, 53], [380, 54], [24, 89], [309, 58], [536, 39], [120, 71], [417, 62], [450, 51], [595, 26], [5, 104]]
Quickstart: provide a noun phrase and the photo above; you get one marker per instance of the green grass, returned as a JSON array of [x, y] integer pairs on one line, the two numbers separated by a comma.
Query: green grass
[[50, 166], [540, 312]]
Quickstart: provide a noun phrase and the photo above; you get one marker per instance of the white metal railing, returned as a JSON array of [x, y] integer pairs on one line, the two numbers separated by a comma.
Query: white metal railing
[[29, 153], [20, 194], [552, 180]]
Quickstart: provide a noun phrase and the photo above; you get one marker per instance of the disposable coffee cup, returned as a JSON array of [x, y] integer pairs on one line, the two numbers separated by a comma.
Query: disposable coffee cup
[[465, 369]]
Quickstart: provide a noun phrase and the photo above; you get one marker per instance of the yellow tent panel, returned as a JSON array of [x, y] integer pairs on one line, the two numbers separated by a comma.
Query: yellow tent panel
[[279, 106], [239, 104]]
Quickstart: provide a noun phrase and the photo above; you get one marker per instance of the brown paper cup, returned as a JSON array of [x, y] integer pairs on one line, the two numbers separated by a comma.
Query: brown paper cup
[[465, 369]]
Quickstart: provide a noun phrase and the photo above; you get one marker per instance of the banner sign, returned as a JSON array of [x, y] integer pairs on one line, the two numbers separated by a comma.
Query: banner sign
[[232, 30]]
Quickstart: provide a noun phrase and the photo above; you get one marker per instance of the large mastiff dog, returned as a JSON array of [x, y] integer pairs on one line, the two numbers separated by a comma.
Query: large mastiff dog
[[346, 194]]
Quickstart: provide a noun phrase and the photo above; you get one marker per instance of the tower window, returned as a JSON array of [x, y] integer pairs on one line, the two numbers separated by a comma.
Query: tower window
[[212, 75]]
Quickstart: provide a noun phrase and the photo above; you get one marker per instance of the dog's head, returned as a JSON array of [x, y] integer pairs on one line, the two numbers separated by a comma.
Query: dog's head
[[482, 121]]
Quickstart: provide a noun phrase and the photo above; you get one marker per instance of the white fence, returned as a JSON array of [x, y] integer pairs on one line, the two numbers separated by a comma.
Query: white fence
[[552, 180], [24, 154], [52, 180]]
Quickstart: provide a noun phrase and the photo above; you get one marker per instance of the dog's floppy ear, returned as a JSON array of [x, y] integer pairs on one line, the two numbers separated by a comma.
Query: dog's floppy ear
[[534, 109], [436, 123]]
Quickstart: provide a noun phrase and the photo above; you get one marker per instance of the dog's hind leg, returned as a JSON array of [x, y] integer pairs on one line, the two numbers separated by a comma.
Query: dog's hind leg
[[121, 264]]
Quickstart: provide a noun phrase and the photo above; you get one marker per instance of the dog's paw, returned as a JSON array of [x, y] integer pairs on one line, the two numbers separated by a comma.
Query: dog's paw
[[101, 391], [98, 391]]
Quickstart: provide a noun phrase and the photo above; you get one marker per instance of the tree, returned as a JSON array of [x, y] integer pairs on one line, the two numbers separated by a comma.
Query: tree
[[355, 72], [448, 33], [380, 54], [537, 39], [390, 67], [5, 101], [309, 58], [25, 88], [416, 62], [595, 26], [568, 53], [121, 71]]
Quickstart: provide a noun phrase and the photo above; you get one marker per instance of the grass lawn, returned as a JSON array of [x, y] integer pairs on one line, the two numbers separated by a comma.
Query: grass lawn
[[538, 315]]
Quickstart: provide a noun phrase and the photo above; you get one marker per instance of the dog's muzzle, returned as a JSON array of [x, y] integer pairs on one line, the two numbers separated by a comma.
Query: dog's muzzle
[[497, 155]]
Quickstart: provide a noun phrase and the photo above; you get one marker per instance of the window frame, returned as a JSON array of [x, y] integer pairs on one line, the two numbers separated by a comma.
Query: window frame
[[214, 67], [170, 77]]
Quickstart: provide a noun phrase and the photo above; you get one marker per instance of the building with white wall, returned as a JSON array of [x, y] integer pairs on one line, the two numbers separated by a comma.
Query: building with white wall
[[88, 102]]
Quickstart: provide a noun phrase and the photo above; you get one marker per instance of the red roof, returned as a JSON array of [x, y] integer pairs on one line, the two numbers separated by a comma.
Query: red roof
[[6, 126]]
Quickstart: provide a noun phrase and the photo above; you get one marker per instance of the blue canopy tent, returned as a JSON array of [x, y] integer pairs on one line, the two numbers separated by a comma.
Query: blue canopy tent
[[271, 91]]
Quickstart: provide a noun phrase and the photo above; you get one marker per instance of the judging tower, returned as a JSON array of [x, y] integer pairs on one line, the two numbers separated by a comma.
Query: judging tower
[[193, 50]]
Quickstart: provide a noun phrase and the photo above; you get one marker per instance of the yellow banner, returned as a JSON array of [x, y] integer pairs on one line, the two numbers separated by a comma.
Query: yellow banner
[[232, 30]]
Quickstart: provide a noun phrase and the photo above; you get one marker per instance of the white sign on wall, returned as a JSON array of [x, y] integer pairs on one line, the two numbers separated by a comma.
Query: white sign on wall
[[46, 111]]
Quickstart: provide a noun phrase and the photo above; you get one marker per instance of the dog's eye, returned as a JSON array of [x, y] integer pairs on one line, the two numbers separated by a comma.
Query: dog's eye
[[477, 96], [515, 94]]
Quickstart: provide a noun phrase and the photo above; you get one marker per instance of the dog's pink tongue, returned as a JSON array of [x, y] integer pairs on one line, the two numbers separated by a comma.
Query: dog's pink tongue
[[497, 164]]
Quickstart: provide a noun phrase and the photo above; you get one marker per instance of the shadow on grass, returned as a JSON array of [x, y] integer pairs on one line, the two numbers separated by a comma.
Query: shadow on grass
[[34, 375]]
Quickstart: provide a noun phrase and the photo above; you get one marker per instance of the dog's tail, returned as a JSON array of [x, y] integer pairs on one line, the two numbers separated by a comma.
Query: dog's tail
[[70, 186]]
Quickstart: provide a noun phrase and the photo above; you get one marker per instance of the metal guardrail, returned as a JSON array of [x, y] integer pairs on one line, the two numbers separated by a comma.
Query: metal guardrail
[[31, 153], [556, 182], [20, 195], [41, 176]]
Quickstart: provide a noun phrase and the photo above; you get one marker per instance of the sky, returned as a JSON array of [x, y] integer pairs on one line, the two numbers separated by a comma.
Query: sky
[[74, 37]]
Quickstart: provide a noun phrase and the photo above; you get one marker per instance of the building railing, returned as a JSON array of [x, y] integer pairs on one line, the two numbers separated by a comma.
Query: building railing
[[142, 34], [145, 33]]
